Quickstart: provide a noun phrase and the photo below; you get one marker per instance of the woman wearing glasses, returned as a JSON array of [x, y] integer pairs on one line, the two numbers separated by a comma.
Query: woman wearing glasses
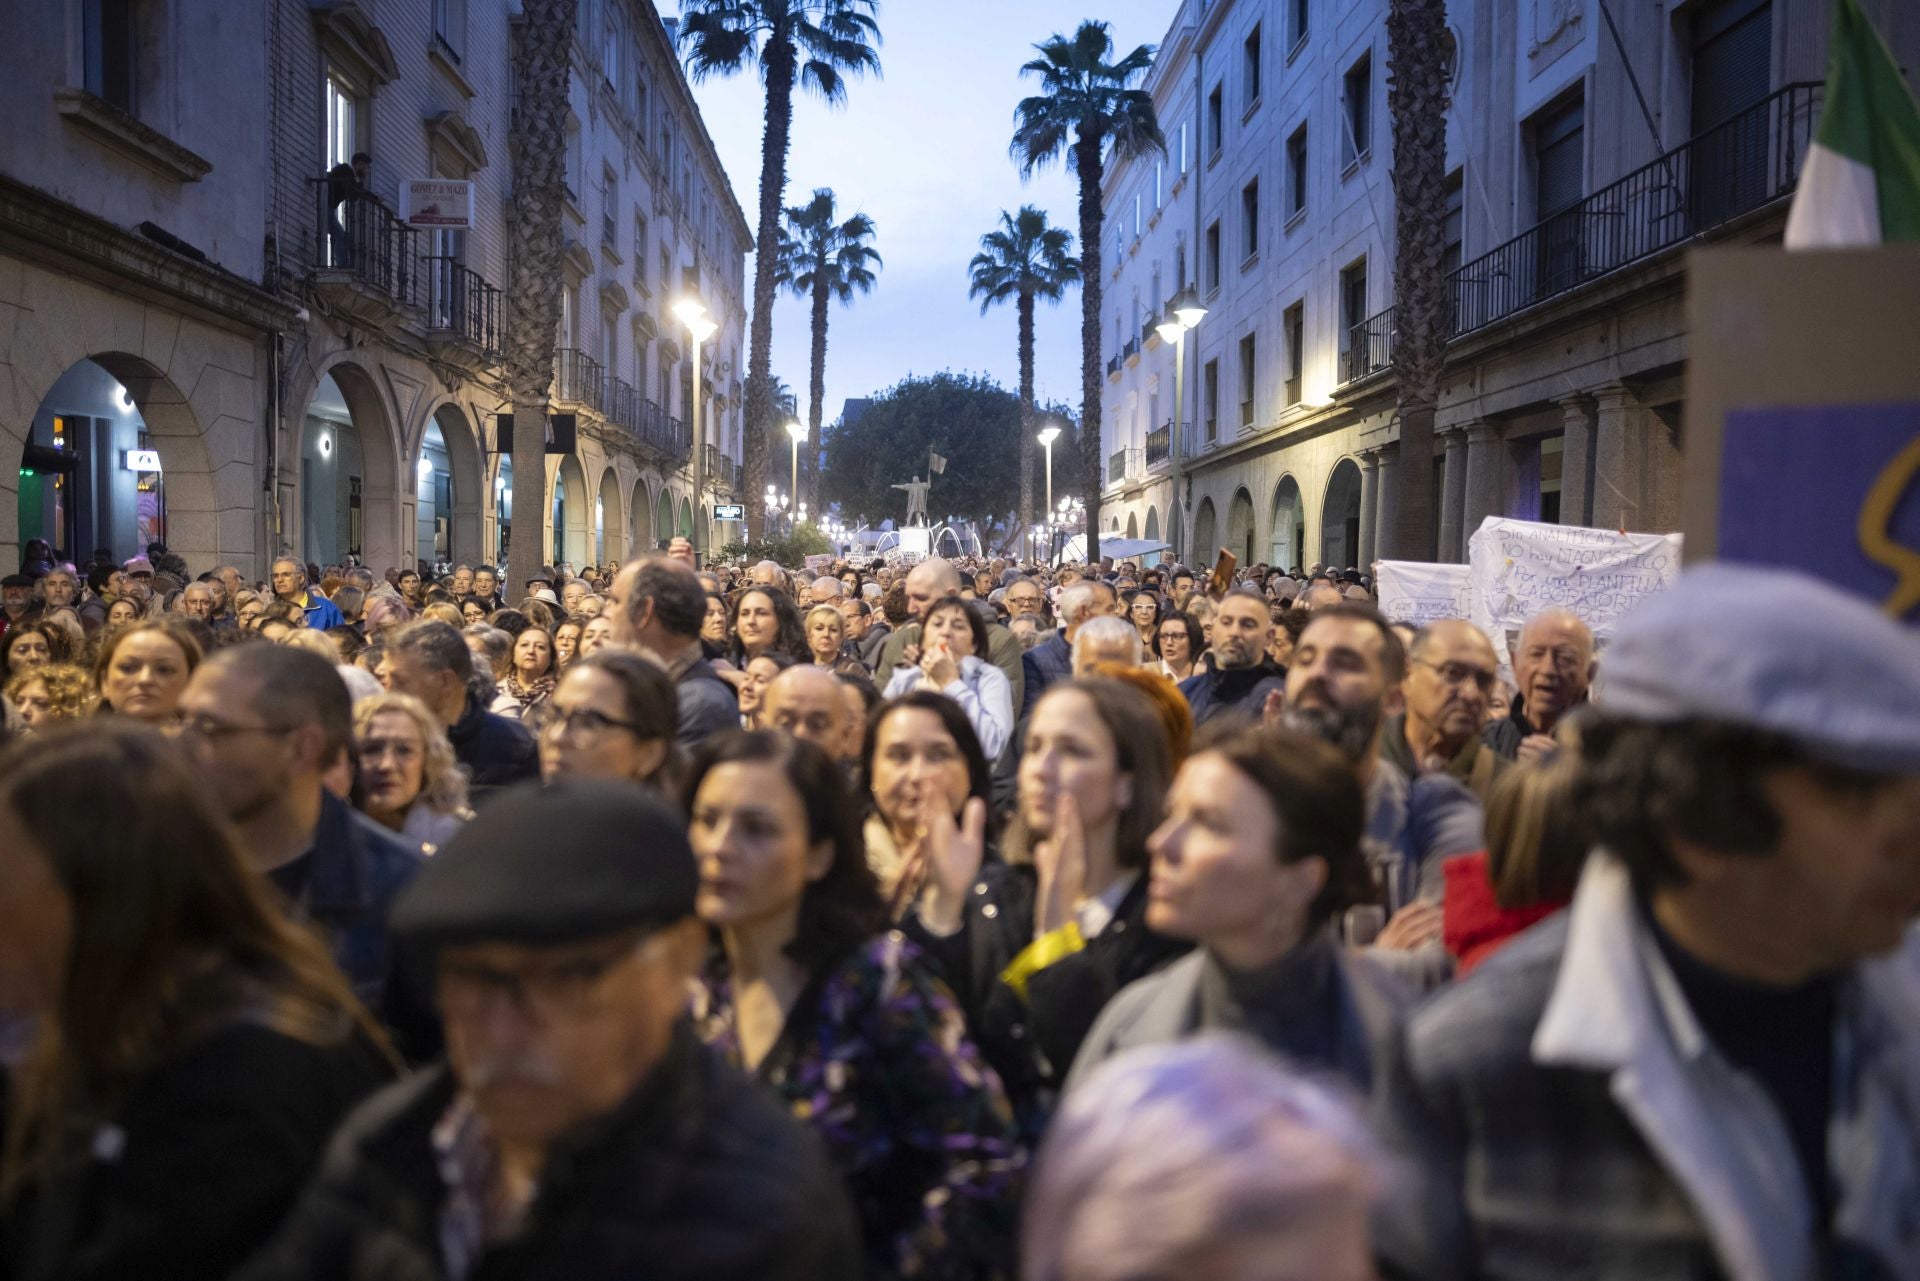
[[613, 715]]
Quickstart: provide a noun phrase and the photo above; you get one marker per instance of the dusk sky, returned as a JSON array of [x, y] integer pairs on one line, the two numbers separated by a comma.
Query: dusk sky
[[923, 151]]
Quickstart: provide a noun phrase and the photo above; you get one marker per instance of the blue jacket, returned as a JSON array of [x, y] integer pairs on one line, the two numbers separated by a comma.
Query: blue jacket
[[1049, 661], [1240, 690], [322, 614], [358, 869]]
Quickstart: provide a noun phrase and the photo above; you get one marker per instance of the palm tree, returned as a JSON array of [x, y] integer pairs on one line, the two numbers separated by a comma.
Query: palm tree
[[1418, 49], [817, 44], [539, 148], [1026, 260], [822, 261], [1087, 106]]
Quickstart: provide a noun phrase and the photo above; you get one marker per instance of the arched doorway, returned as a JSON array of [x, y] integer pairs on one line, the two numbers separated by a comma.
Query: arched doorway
[[1204, 533], [448, 473], [686, 518], [1133, 525], [1340, 517], [503, 509], [663, 519], [572, 509], [93, 467], [1240, 526], [640, 513], [433, 498], [1287, 548], [349, 488]]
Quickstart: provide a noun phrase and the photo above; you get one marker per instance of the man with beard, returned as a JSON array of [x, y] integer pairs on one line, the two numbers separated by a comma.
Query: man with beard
[[266, 726], [1451, 671], [1345, 680], [1241, 677], [1553, 666]]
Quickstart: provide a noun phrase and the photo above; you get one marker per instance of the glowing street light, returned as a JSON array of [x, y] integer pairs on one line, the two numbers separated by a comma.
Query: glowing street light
[[693, 314], [1184, 313]]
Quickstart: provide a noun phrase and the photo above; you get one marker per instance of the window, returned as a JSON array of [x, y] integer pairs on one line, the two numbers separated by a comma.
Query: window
[[1246, 382], [575, 180], [1153, 313], [1359, 100], [1453, 238], [1297, 171], [1136, 213], [640, 249], [1250, 219], [450, 26], [666, 269], [1211, 266], [1180, 266], [1298, 9], [112, 35], [1210, 399], [1159, 184], [609, 209], [1216, 124], [343, 122], [1250, 69], [1293, 323], [1184, 154], [1353, 302], [1558, 158], [610, 52]]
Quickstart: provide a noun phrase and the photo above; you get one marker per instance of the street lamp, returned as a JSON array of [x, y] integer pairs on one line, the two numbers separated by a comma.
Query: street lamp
[[1184, 313], [693, 314], [1048, 435], [798, 431]]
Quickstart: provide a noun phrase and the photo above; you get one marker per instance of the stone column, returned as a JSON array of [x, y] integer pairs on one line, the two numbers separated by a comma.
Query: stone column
[[1576, 461], [1453, 496], [1617, 462], [1369, 505], [1485, 458], [1383, 539]]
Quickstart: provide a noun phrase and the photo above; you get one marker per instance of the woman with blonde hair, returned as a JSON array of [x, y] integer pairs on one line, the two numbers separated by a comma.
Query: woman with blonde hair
[[51, 692], [192, 1047], [446, 613], [142, 668], [410, 781]]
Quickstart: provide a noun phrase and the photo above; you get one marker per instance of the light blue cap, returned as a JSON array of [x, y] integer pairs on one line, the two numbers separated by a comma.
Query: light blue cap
[[1776, 650]]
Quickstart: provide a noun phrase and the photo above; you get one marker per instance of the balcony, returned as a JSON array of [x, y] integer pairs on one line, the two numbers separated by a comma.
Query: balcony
[[1131, 352], [1117, 467], [577, 381], [620, 403], [1159, 446], [711, 473], [1741, 165], [739, 478], [1113, 367], [367, 262], [465, 323]]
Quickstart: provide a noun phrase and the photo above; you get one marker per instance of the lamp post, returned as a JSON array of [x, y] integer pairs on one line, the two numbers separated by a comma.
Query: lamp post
[[798, 431], [1047, 436], [693, 314], [1184, 313]]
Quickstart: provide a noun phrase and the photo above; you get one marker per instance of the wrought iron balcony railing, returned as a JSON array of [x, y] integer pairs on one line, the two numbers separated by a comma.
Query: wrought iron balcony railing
[[1159, 445], [358, 235], [1748, 161], [577, 379], [461, 304]]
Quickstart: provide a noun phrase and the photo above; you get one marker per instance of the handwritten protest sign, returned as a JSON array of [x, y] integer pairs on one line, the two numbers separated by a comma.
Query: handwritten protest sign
[[1419, 592], [1520, 567]]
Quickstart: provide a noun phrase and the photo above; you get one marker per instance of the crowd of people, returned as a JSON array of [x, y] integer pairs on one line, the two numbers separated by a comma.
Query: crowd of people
[[959, 919]]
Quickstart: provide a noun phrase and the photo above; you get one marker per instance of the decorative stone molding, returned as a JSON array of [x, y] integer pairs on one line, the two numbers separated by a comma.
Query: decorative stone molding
[[456, 141], [354, 43], [132, 138], [1553, 27], [576, 261], [613, 296]]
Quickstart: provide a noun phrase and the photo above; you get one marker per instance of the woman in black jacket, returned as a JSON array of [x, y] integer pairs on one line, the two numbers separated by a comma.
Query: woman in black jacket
[[192, 1049]]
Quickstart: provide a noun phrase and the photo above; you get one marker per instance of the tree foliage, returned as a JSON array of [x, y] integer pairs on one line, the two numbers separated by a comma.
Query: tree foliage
[[807, 539], [971, 421]]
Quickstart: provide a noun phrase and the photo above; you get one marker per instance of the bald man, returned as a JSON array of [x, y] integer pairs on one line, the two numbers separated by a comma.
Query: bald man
[[927, 582], [805, 701], [1451, 671], [1553, 668]]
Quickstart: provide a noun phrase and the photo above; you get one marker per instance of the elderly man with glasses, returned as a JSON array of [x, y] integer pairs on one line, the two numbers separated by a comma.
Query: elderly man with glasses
[[578, 1127], [1451, 672]]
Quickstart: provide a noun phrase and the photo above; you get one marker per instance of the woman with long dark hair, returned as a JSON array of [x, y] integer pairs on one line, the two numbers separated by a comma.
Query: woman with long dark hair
[[613, 715], [928, 782], [766, 621], [847, 1024], [192, 1048]]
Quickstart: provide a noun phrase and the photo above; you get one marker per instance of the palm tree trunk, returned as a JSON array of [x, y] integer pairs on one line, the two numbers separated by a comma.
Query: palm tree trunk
[[1087, 166], [777, 65], [816, 397], [1417, 95], [1027, 416], [534, 247]]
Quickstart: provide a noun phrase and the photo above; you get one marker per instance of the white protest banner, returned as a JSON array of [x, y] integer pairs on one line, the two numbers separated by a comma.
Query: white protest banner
[[1419, 592], [818, 565], [1520, 567]]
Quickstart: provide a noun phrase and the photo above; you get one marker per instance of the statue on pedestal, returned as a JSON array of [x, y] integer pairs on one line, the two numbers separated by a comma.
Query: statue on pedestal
[[916, 500]]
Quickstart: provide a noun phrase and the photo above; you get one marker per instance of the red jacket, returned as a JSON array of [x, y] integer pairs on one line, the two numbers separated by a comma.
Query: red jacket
[[1474, 925]]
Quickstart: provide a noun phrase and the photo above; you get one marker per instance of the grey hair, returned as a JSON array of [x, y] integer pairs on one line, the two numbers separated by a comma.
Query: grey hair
[[438, 646], [1169, 1151], [1107, 630], [497, 643], [1075, 603]]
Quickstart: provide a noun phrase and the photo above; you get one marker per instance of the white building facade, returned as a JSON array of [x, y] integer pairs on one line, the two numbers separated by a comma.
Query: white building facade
[[1584, 157], [183, 286]]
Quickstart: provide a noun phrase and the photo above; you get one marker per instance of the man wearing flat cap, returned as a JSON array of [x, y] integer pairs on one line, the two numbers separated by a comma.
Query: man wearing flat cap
[[1708, 1065], [578, 1129]]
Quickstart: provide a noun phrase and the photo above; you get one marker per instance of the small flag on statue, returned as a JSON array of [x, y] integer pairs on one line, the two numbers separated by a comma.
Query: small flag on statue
[[1860, 184], [936, 464]]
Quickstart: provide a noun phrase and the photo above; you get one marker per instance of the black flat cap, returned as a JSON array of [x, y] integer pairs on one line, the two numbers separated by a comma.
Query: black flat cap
[[577, 860]]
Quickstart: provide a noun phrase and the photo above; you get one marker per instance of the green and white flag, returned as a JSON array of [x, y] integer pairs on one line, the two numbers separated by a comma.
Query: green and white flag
[[1861, 181]]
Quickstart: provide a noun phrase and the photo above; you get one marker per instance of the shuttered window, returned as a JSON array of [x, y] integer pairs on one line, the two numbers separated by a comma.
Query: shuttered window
[[1732, 57], [1558, 145]]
